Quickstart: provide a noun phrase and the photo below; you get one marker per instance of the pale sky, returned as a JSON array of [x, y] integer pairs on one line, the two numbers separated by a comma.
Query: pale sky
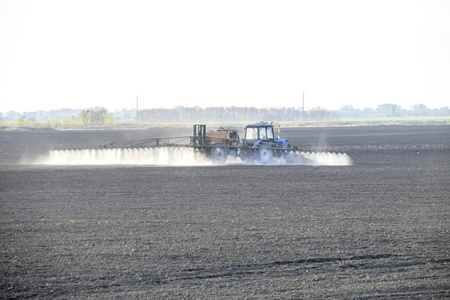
[[87, 53]]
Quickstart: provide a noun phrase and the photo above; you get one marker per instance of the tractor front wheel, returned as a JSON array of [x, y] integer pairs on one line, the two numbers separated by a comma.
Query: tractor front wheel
[[264, 156]]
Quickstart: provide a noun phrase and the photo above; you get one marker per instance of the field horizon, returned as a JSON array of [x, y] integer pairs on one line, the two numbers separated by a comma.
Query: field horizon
[[49, 125]]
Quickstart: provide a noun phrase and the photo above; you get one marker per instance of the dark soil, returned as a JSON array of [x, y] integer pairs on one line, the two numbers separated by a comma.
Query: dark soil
[[377, 229]]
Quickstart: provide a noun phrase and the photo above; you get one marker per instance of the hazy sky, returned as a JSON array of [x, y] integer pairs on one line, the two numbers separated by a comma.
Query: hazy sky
[[80, 54]]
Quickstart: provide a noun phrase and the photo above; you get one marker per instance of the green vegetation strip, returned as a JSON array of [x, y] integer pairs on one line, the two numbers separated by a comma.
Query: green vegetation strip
[[113, 124]]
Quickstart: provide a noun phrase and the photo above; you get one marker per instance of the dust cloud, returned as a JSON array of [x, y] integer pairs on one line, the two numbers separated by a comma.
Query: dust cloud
[[181, 156], [137, 156], [313, 159]]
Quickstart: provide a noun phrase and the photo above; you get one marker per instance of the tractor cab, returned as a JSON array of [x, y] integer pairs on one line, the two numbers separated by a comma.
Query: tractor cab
[[262, 134], [259, 131]]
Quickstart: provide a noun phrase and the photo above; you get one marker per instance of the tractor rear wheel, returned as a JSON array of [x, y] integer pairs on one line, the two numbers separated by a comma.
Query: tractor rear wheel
[[264, 156], [218, 155]]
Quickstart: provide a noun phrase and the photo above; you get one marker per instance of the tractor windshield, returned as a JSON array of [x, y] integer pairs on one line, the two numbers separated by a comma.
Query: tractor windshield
[[262, 133], [251, 133], [266, 132]]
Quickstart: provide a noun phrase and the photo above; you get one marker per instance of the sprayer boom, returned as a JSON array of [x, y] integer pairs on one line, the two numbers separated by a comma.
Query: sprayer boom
[[259, 146]]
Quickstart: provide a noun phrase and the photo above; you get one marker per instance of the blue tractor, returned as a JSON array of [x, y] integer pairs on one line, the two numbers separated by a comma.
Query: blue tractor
[[260, 143]]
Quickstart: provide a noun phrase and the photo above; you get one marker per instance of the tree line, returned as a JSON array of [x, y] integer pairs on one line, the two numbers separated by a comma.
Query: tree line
[[63, 117], [214, 114], [101, 116]]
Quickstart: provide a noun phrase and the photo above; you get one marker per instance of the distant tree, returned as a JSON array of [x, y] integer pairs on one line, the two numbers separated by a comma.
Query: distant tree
[[419, 110], [22, 121], [55, 123], [125, 114], [85, 116], [348, 111], [367, 112], [109, 120], [12, 115], [320, 114], [94, 117], [444, 111], [99, 116], [386, 110]]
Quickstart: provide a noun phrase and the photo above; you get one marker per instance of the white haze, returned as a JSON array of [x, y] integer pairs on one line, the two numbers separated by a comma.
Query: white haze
[[177, 157], [81, 54]]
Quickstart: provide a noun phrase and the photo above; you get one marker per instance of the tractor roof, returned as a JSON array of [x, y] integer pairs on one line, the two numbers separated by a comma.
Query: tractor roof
[[260, 124]]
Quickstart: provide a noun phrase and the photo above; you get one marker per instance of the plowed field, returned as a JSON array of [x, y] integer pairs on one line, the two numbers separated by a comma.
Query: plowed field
[[376, 229]]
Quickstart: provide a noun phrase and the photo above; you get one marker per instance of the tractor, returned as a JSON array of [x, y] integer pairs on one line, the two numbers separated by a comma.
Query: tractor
[[258, 145], [261, 145]]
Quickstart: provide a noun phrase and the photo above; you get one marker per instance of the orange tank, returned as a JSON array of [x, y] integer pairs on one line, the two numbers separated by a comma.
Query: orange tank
[[220, 135]]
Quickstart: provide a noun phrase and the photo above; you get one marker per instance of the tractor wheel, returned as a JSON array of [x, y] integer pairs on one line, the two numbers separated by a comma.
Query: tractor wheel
[[218, 155], [264, 156]]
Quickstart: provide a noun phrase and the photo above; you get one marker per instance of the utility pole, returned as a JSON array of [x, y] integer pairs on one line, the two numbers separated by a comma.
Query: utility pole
[[303, 105], [137, 108]]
